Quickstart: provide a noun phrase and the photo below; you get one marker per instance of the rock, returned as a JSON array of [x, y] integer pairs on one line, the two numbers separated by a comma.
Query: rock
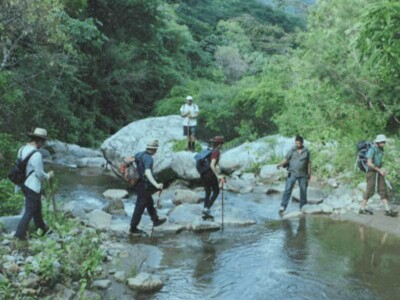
[[259, 151], [31, 282], [292, 214], [260, 189], [200, 225], [64, 293], [236, 221], [185, 196], [10, 223], [10, 268], [238, 186], [184, 165], [99, 219], [88, 295], [120, 276], [93, 162], [270, 173], [88, 204], [101, 284], [185, 214], [332, 182], [116, 207], [145, 282], [167, 228], [314, 195], [29, 292], [3, 279], [249, 177], [115, 194], [311, 209], [362, 186]]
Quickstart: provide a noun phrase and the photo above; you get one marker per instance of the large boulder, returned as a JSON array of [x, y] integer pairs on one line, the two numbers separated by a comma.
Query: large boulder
[[270, 173], [133, 138], [184, 165], [185, 196], [248, 154]]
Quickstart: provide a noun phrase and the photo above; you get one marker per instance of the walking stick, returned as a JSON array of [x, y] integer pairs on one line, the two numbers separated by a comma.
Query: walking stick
[[53, 199], [158, 205], [222, 203]]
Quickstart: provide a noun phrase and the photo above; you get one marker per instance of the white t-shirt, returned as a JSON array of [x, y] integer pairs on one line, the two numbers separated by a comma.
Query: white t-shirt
[[193, 110], [35, 164]]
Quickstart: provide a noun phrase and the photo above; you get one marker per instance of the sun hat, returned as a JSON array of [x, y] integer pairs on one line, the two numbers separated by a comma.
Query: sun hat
[[152, 144], [39, 133], [218, 139], [189, 98], [380, 138]]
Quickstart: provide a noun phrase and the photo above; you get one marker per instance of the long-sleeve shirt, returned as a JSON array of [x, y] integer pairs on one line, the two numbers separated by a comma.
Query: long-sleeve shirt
[[35, 164]]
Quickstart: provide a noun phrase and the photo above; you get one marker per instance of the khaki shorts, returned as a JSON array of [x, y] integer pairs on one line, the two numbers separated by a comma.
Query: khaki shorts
[[371, 182]]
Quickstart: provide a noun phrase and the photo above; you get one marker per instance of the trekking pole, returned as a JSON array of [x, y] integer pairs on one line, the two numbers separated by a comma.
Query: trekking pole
[[53, 199], [222, 203]]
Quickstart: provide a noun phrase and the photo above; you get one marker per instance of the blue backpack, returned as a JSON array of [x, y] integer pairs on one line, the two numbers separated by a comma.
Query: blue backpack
[[203, 161]]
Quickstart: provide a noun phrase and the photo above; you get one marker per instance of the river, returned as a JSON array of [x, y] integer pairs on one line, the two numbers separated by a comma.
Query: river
[[305, 258]]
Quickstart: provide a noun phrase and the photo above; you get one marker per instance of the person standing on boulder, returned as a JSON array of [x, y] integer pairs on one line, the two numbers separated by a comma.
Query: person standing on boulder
[[32, 187], [145, 188], [210, 177], [298, 162], [189, 112], [375, 177]]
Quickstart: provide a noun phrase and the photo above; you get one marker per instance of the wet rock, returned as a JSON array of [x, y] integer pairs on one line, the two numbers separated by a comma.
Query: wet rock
[[120, 276], [101, 284], [116, 207], [115, 194], [145, 282], [293, 214], [99, 219], [317, 209], [200, 225], [314, 195], [167, 228], [235, 221], [10, 223], [185, 214], [185, 196]]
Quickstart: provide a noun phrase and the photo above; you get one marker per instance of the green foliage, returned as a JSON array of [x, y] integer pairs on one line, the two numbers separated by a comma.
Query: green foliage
[[11, 203], [181, 145]]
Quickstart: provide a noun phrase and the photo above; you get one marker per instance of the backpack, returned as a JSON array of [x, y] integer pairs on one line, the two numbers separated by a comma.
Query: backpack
[[129, 169], [203, 162], [362, 149], [17, 173]]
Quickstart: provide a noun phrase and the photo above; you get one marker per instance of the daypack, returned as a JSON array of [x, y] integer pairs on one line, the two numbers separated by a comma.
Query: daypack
[[129, 169], [203, 161], [362, 149], [17, 173]]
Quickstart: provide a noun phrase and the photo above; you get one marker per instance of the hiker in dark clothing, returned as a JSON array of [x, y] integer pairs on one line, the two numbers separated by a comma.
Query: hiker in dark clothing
[[210, 177], [375, 177], [145, 187], [32, 187], [298, 161]]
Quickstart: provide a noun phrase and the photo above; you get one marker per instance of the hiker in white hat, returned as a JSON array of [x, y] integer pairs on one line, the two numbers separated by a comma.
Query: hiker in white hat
[[189, 111], [145, 187], [32, 187], [375, 177]]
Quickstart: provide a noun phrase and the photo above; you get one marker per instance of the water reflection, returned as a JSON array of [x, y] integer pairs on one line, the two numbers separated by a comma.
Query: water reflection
[[295, 244], [205, 263]]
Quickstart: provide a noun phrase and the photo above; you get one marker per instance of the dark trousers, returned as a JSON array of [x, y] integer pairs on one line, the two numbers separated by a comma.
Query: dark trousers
[[144, 200], [33, 210], [210, 184], [290, 182]]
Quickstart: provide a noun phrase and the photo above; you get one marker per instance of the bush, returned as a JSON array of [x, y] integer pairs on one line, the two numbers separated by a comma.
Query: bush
[[11, 203]]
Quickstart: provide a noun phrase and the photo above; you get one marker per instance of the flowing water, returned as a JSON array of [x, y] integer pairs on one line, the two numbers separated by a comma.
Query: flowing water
[[305, 258]]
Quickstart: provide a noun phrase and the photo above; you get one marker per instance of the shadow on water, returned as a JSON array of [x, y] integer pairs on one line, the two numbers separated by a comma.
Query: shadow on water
[[304, 258]]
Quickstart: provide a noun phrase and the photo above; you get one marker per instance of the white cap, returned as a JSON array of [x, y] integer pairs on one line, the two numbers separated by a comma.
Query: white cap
[[380, 138], [189, 98]]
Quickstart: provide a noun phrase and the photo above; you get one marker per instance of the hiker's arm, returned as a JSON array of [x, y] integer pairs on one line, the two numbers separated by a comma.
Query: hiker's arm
[[284, 163], [375, 168], [309, 170], [184, 113], [150, 177], [213, 166], [37, 164]]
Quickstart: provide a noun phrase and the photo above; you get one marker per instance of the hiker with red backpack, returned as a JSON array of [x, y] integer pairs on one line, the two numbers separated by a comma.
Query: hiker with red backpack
[[145, 187], [189, 112], [206, 165], [375, 177], [31, 184]]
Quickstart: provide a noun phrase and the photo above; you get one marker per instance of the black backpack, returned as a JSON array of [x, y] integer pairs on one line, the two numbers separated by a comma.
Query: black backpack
[[362, 149], [203, 162], [17, 173]]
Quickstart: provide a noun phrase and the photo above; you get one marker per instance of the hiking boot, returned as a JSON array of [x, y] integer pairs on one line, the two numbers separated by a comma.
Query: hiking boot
[[391, 213], [137, 232], [281, 211], [365, 212], [159, 221]]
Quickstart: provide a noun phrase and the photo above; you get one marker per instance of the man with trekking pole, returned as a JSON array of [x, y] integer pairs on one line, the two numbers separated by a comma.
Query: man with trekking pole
[[189, 112], [375, 177], [32, 186]]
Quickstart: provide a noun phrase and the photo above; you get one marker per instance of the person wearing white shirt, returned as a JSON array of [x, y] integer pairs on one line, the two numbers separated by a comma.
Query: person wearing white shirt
[[189, 113], [32, 187]]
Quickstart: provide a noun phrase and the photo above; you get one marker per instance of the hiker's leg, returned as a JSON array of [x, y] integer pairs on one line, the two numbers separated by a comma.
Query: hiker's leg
[[215, 189], [151, 209], [186, 133], [303, 183], [139, 206], [28, 213], [369, 192], [290, 182], [207, 187], [382, 191], [193, 137], [38, 217]]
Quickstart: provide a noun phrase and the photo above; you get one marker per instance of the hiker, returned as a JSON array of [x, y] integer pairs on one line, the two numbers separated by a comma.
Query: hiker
[[145, 188], [210, 177], [189, 112], [375, 177], [298, 162], [32, 187]]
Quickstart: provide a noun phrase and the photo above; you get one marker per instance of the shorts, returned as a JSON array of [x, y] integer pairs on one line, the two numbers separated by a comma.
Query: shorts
[[374, 178], [189, 129]]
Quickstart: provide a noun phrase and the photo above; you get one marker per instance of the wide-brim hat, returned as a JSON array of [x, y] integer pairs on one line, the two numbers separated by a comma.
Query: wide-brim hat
[[380, 138], [189, 98], [152, 144], [38, 133]]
